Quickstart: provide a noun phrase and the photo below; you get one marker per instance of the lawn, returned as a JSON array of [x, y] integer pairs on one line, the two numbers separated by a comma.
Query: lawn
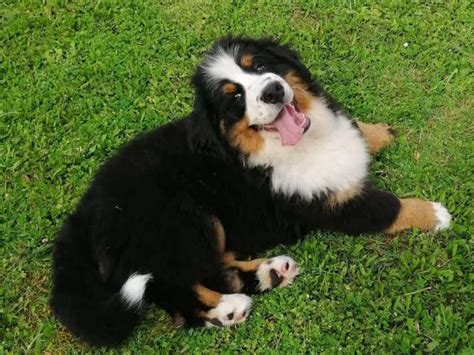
[[80, 78]]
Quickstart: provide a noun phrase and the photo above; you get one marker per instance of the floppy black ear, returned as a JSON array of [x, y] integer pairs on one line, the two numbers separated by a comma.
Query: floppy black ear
[[283, 50], [289, 56], [277, 49], [204, 134]]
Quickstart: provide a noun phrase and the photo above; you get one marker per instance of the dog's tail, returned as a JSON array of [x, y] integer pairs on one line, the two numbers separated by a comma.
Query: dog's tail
[[97, 313]]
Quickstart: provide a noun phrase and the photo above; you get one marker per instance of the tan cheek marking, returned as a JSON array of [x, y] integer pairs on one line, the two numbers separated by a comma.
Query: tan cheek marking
[[341, 197], [252, 265], [246, 61], [303, 96], [229, 88], [248, 140], [377, 135], [414, 213], [206, 296]]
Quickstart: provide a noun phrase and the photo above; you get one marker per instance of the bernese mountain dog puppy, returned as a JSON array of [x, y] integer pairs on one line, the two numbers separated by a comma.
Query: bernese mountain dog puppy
[[266, 157]]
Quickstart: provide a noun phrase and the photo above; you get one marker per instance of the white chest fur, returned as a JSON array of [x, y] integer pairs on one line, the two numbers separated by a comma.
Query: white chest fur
[[331, 156]]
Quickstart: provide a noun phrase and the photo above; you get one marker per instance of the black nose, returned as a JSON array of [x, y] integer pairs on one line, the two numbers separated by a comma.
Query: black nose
[[273, 93]]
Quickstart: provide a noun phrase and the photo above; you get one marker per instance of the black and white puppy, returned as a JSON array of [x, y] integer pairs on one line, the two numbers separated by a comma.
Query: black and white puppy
[[265, 157]]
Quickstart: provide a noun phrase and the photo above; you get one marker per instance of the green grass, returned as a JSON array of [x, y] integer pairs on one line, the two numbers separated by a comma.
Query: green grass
[[79, 79]]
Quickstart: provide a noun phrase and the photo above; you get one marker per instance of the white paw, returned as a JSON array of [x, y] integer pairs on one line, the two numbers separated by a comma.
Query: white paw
[[232, 309], [279, 271], [442, 215]]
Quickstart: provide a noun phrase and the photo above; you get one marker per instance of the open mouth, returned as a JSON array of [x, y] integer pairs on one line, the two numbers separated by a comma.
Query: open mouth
[[291, 123]]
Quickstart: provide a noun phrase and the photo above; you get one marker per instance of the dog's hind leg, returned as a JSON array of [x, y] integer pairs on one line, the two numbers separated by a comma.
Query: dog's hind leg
[[260, 275], [257, 275], [191, 284], [223, 310], [200, 305]]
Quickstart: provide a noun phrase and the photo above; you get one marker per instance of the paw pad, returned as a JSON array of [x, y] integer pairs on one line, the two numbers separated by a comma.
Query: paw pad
[[279, 271], [231, 310]]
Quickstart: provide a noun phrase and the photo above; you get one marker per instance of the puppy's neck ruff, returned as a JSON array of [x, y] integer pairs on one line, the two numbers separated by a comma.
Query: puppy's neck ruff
[[331, 157]]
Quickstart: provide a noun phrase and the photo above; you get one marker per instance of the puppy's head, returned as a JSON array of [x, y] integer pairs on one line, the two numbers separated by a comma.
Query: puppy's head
[[256, 90]]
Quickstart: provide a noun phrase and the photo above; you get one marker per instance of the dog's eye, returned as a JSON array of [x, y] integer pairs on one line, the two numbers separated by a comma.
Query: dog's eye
[[237, 96], [260, 68]]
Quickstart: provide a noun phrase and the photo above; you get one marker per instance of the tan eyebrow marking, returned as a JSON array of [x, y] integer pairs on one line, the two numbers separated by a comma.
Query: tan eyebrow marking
[[246, 60], [229, 88]]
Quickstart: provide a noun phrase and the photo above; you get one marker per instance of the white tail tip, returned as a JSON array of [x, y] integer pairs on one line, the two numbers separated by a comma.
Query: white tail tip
[[133, 289]]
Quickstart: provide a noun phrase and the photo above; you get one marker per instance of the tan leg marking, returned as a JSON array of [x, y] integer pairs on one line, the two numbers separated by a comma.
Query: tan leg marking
[[206, 296], [220, 234], [414, 213], [233, 281], [341, 197], [377, 135], [245, 266], [222, 128], [203, 315]]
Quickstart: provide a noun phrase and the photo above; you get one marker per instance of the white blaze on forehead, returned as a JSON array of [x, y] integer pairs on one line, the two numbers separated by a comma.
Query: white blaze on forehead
[[222, 65]]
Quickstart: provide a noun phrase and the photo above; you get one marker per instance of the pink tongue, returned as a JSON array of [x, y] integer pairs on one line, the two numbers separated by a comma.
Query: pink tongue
[[290, 124]]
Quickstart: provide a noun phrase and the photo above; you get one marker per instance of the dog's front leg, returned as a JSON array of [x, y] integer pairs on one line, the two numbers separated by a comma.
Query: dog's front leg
[[374, 210], [376, 135]]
